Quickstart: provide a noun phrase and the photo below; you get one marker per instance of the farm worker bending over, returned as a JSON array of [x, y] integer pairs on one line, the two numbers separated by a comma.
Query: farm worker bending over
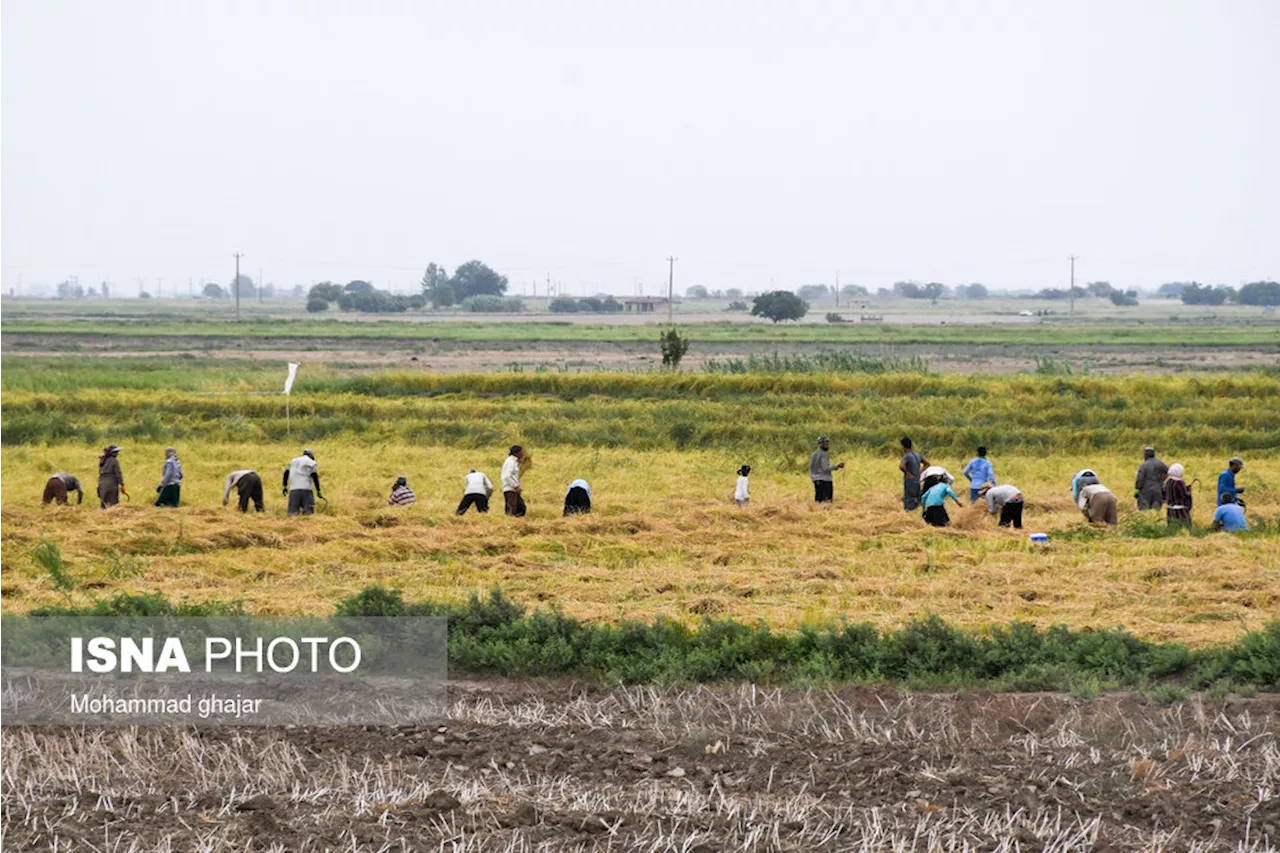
[[910, 465], [170, 488], [1148, 488], [820, 469], [299, 477], [1084, 477], [935, 504], [980, 473], [933, 475], [401, 494], [1177, 498], [248, 486], [1098, 504], [1227, 481], [476, 493], [110, 477], [742, 492], [1230, 517], [511, 492], [1008, 499], [58, 487], [578, 498]]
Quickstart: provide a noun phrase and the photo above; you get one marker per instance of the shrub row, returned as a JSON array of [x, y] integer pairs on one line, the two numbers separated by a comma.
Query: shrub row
[[494, 635]]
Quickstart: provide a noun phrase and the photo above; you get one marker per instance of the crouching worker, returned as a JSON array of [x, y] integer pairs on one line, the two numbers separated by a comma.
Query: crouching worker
[[1229, 515], [578, 498], [248, 486], [1098, 504], [401, 494], [299, 478], [476, 493], [1008, 500], [59, 485], [934, 501]]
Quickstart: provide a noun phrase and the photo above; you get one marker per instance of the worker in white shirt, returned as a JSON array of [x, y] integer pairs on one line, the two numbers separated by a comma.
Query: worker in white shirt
[[476, 492], [248, 486], [742, 494], [299, 478], [511, 491]]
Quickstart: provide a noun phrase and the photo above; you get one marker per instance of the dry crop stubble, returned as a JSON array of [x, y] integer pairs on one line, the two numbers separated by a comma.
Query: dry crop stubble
[[665, 539]]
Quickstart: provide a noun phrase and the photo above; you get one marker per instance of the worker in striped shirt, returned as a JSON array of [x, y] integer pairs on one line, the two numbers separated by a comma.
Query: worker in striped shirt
[[401, 494]]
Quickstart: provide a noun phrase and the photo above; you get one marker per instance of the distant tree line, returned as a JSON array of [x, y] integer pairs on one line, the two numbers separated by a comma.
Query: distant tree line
[[360, 296], [586, 305], [1194, 293]]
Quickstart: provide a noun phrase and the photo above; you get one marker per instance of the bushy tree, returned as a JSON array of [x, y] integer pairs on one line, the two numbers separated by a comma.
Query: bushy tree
[[1171, 290], [1123, 299], [673, 346], [436, 287], [1052, 293], [813, 291], [907, 290], [737, 305], [697, 291], [590, 305], [563, 305], [488, 303], [326, 290], [1203, 294], [417, 301], [1259, 293], [357, 287], [733, 293], [853, 290], [213, 290], [244, 285], [972, 291], [779, 305], [1101, 289], [610, 305], [315, 305], [475, 279]]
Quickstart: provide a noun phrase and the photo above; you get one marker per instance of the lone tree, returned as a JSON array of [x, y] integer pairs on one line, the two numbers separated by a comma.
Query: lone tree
[[436, 287], [779, 305], [475, 279], [212, 290], [674, 346]]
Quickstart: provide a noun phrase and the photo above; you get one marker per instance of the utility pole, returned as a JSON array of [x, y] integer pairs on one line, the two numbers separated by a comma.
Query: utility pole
[[837, 288], [235, 285], [671, 279], [1072, 292], [259, 285]]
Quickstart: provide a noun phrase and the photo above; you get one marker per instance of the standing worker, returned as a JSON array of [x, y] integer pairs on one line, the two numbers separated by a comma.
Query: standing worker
[[1177, 498], [476, 493], [59, 485], [911, 464], [110, 477], [980, 473], [248, 486], [742, 491], [170, 489], [512, 496], [1148, 488], [299, 478], [401, 494], [578, 498], [820, 469], [935, 504], [1008, 499], [1227, 491], [1098, 504]]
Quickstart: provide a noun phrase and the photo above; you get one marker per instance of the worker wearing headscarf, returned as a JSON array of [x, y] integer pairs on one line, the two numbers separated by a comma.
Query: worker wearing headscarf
[[170, 489], [110, 477], [1084, 477], [1177, 498]]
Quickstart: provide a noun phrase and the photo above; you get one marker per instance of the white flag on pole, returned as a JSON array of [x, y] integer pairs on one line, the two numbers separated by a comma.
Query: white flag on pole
[[293, 373]]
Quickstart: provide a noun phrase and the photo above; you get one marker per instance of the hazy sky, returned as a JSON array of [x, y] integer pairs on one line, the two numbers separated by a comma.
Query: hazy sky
[[757, 142]]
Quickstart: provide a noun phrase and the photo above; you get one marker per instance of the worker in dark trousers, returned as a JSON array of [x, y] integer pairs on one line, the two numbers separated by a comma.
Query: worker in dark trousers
[[248, 486]]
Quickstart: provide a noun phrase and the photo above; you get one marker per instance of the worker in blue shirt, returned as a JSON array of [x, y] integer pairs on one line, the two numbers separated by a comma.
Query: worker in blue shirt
[[979, 472], [1227, 490], [1230, 516]]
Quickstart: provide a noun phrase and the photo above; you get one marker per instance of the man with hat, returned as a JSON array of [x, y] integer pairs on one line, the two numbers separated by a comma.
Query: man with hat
[[511, 491], [299, 478], [820, 469], [401, 494], [1227, 491], [1148, 488]]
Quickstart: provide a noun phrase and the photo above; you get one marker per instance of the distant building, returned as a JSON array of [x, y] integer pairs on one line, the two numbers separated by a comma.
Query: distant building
[[644, 304]]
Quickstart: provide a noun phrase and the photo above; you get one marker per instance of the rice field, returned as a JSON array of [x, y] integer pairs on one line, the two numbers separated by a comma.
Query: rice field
[[664, 540]]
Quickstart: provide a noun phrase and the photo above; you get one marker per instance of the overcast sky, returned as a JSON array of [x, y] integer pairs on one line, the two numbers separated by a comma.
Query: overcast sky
[[758, 142]]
